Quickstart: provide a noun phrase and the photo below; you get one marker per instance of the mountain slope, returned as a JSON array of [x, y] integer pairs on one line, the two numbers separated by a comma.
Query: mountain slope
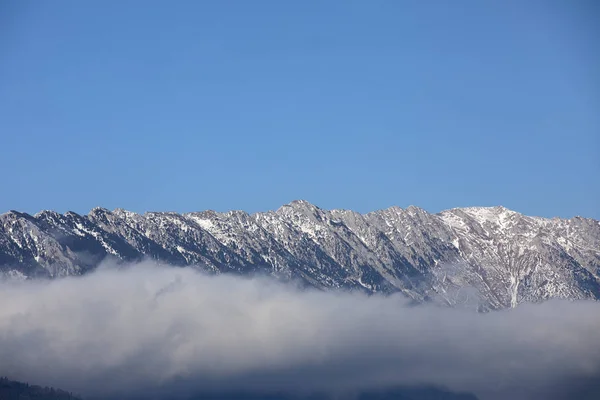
[[489, 257]]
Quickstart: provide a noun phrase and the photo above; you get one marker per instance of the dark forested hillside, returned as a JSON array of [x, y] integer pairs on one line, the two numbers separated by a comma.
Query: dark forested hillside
[[11, 390]]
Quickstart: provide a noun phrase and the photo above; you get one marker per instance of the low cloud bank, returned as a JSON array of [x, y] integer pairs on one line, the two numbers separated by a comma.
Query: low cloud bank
[[148, 329]]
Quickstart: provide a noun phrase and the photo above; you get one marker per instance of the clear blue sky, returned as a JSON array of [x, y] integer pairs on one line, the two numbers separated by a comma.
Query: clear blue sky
[[193, 105]]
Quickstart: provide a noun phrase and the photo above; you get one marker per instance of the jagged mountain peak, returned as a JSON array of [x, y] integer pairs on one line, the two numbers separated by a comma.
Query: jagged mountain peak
[[298, 206], [15, 214], [300, 203], [44, 213], [302, 210], [414, 209], [101, 210]]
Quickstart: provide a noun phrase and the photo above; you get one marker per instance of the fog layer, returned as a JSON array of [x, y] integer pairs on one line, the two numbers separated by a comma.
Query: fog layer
[[142, 329]]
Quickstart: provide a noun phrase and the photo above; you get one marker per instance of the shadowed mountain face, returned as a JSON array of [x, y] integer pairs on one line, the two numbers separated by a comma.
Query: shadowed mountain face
[[490, 258]]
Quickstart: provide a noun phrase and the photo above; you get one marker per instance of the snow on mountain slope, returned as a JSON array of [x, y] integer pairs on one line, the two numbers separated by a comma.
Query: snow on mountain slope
[[489, 257]]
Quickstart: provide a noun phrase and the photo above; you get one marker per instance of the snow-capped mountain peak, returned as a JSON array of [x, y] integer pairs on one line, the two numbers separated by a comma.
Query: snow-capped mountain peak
[[504, 257]]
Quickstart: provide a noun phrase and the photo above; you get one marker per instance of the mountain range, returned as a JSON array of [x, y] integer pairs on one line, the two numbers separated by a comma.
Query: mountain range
[[484, 257]]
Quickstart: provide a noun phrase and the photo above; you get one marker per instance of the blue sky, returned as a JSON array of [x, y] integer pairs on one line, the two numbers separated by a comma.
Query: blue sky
[[193, 105]]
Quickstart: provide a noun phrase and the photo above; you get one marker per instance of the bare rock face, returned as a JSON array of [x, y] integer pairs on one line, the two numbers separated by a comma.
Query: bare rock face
[[484, 257]]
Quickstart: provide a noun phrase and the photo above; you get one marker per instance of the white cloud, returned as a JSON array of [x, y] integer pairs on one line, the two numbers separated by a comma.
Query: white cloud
[[121, 331]]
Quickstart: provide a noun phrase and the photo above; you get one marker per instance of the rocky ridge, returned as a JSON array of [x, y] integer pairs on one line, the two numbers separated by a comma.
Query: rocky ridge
[[486, 257]]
